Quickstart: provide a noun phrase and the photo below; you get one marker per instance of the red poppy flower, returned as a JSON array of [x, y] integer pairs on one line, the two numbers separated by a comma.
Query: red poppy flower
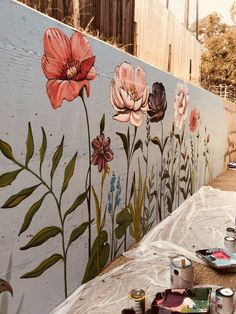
[[102, 152], [193, 120], [68, 65]]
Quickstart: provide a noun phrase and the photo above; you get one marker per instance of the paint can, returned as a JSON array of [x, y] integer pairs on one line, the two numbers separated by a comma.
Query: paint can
[[230, 243], [138, 297], [224, 301], [181, 273], [128, 311], [231, 232]]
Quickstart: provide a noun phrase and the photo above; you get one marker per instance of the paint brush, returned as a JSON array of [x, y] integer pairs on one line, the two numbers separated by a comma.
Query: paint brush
[[182, 262]]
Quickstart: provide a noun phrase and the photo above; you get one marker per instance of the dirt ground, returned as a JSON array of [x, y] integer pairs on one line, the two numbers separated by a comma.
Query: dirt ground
[[226, 181]]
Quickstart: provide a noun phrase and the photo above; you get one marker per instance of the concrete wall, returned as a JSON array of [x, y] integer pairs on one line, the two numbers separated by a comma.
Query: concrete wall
[[78, 185]]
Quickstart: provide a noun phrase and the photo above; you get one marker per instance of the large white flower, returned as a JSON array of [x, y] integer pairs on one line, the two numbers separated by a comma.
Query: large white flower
[[129, 94], [181, 104]]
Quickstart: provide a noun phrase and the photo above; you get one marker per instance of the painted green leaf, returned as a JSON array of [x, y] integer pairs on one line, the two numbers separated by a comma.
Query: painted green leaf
[[42, 236], [98, 210], [165, 174], [29, 145], [46, 264], [43, 148], [156, 141], [5, 286], [125, 143], [57, 157], [138, 144], [165, 141], [100, 245], [8, 177], [6, 150], [77, 232], [123, 219], [30, 214], [102, 124], [16, 199], [78, 201], [69, 171]]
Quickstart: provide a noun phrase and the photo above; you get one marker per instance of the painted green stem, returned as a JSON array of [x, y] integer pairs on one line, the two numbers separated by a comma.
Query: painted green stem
[[60, 215], [130, 155], [88, 178]]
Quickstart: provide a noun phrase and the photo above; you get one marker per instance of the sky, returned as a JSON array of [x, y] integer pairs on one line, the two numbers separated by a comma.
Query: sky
[[205, 7]]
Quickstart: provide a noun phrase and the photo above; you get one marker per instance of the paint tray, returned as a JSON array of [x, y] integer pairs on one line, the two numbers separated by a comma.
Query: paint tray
[[218, 258], [175, 301]]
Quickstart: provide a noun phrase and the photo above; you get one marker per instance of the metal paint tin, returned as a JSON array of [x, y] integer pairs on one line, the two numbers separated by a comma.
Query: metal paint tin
[[128, 311], [231, 232], [181, 273], [224, 301], [138, 297], [230, 244]]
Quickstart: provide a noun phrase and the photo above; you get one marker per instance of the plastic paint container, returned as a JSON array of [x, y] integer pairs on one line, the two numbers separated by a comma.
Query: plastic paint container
[[224, 301], [138, 297], [181, 273], [230, 244]]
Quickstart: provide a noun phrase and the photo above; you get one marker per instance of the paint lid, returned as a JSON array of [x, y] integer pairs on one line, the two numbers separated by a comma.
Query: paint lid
[[137, 294], [181, 262], [226, 292], [230, 229], [231, 239]]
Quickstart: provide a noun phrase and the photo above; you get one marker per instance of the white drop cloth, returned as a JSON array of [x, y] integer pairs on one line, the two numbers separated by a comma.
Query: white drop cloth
[[200, 222]]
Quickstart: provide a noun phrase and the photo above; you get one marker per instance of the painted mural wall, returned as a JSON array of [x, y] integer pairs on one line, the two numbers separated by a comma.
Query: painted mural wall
[[96, 147]]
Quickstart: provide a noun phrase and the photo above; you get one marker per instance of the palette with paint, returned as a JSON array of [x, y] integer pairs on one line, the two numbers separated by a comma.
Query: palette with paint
[[175, 301], [218, 258]]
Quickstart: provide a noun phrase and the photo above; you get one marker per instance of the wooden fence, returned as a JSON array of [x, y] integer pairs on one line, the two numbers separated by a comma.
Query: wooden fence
[[164, 42], [111, 20]]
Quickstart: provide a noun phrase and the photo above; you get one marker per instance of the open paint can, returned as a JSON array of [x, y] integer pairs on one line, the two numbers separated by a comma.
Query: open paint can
[[230, 244], [224, 301], [181, 273], [138, 298]]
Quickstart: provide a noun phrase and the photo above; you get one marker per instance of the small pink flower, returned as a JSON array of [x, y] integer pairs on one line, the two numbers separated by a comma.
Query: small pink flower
[[193, 120], [102, 153], [129, 94], [68, 65], [181, 104]]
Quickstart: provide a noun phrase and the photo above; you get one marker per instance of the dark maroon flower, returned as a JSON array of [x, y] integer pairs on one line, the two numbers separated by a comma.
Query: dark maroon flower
[[102, 153], [157, 102]]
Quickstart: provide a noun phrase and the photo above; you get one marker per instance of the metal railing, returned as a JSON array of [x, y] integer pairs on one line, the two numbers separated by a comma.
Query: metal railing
[[225, 91]]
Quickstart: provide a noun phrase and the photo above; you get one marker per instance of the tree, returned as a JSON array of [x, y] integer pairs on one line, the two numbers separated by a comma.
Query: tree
[[218, 61]]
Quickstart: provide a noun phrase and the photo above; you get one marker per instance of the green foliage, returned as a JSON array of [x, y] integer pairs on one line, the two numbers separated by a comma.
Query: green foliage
[[8, 178], [137, 206], [29, 145], [46, 264], [100, 252], [123, 219], [48, 232], [16, 199], [31, 212], [218, 55], [42, 236]]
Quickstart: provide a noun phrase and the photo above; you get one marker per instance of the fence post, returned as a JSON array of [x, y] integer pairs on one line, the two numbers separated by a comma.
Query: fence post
[[76, 14]]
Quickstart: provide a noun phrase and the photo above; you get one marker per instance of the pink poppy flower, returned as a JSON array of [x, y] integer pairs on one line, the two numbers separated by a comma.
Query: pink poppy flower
[[129, 94], [181, 104], [68, 65], [102, 152], [193, 120]]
